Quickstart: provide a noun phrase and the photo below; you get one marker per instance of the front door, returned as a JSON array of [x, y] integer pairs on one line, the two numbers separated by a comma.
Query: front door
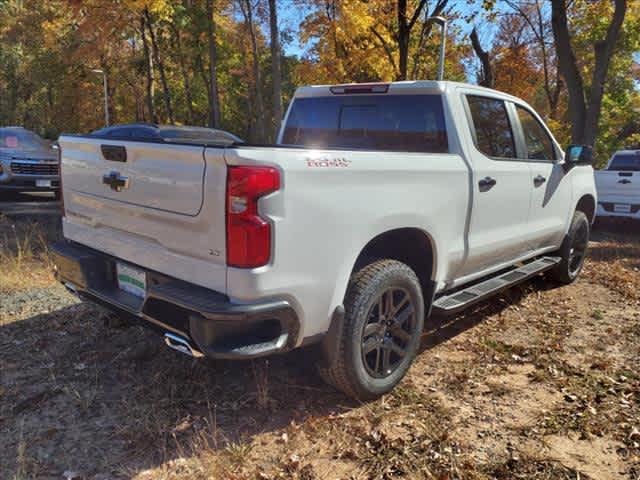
[[550, 183]]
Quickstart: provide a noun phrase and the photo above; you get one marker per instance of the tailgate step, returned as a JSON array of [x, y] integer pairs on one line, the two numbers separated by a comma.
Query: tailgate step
[[461, 299]]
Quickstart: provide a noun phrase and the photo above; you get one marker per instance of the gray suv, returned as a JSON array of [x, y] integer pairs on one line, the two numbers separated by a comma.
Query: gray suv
[[27, 162]]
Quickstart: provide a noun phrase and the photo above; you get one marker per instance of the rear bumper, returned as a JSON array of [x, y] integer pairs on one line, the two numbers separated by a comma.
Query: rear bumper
[[608, 209], [194, 320]]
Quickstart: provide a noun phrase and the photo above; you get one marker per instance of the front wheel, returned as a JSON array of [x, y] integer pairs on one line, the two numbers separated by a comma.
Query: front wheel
[[573, 250], [384, 319]]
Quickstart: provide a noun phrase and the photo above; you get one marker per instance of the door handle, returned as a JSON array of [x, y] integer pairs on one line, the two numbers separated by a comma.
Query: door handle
[[539, 180], [115, 181], [486, 183], [624, 181]]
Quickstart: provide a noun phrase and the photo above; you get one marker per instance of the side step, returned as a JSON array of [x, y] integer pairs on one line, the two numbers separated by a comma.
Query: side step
[[452, 304]]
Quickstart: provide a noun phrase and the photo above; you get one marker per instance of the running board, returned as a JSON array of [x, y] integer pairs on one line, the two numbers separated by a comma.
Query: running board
[[452, 304]]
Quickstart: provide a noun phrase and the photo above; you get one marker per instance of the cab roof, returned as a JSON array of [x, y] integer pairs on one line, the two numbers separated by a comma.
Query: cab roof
[[402, 88]]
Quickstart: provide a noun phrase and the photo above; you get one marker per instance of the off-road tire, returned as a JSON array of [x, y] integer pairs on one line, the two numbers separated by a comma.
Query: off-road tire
[[569, 268], [347, 370]]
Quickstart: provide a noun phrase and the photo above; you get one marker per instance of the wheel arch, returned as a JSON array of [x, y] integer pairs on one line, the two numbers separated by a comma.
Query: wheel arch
[[411, 246], [405, 244], [587, 205]]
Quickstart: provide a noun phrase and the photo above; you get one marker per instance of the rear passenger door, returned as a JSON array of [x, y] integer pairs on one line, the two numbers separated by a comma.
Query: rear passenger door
[[498, 230], [550, 184]]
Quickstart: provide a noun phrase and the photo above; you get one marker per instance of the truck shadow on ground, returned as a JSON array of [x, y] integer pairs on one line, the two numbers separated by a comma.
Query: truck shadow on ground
[[80, 396]]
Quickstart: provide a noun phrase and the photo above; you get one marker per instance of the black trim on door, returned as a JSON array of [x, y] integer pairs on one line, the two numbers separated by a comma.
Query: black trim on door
[[114, 153]]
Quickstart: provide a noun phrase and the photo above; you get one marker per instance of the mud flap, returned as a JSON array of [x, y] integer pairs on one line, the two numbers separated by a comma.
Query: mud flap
[[330, 343]]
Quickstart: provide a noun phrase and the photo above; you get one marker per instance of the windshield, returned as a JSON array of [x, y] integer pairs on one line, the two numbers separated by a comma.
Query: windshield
[[626, 162], [21, 139], [404, 123]]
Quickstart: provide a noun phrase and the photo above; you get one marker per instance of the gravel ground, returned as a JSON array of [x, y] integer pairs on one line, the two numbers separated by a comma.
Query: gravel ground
[[38, 301]]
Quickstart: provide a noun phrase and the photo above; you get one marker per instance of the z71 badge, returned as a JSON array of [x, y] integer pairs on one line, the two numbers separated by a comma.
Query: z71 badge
[[326, 162]]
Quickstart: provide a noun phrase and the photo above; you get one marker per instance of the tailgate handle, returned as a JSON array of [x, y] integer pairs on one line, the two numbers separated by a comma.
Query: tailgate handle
[[114, 153], [116, 181]]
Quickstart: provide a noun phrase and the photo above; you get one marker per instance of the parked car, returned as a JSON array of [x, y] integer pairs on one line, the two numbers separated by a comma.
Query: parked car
[[380, 205], [167, 133], [618, 186], [28, 163]]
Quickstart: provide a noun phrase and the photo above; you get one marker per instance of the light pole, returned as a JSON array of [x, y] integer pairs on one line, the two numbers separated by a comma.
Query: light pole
[[106, 94], [443, 25]]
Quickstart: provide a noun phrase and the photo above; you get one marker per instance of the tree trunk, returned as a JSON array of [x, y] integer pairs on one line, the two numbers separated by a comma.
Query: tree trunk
[[214, 102], [185, 74], [552, 87], [486, 77], [405, 25], [584, 117], [159, 62], [149, 71], [603, 53], [275, 67], [247, 11], [403, 38]]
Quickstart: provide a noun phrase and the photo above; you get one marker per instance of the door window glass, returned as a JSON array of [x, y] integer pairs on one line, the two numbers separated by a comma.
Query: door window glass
[[539, 144], [493, 133]]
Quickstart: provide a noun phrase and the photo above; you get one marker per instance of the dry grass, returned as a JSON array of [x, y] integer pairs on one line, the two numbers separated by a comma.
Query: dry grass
[[541, 383], [24, 252]]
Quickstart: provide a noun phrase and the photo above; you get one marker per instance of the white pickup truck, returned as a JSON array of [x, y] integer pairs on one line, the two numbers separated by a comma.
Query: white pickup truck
[[618, 186], [380, 205]]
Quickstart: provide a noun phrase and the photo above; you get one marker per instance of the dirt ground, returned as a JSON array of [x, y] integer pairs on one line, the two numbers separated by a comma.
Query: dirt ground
[[539, 383]]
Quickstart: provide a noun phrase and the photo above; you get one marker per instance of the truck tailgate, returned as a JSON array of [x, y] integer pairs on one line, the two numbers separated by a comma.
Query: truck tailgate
[[162, 207], [617, 184]]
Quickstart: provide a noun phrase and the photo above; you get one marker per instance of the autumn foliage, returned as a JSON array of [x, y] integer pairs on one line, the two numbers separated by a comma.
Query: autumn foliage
[[210, 62]]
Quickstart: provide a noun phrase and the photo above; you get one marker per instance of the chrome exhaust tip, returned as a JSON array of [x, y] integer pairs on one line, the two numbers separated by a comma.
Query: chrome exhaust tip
[[181, 345]]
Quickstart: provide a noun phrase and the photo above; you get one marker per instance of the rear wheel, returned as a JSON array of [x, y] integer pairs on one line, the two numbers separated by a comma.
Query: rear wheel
[[573, 250], [384, 319]]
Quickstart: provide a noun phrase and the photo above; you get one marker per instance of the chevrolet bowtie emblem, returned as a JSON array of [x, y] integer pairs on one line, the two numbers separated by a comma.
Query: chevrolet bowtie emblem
[[116, 181]]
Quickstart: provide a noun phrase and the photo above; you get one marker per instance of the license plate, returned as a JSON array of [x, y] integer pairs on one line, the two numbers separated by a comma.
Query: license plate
[[622, 208], [131, 280], [43, 183]]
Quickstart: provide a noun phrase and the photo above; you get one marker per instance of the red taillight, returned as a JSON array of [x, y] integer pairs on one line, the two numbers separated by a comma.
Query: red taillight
[[248, 234]]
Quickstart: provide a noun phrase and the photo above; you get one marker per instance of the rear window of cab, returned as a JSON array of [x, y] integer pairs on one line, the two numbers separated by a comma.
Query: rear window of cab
[[626, 162], [403, 123]]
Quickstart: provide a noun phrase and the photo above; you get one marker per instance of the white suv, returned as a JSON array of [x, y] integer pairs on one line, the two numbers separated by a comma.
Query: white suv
[[381, 204]]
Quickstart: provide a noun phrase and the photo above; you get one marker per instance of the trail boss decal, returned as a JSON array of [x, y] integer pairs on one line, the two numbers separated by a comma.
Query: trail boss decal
[[326, 162]]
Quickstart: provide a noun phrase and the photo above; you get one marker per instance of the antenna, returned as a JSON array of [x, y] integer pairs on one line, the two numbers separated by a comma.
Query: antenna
[[443, 25]]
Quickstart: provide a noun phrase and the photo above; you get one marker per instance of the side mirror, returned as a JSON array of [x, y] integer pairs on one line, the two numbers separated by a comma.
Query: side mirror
[[579, 155]]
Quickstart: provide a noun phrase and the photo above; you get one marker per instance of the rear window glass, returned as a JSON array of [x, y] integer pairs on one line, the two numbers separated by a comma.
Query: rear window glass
[[21, 139], [405, 123], [626, 162]]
